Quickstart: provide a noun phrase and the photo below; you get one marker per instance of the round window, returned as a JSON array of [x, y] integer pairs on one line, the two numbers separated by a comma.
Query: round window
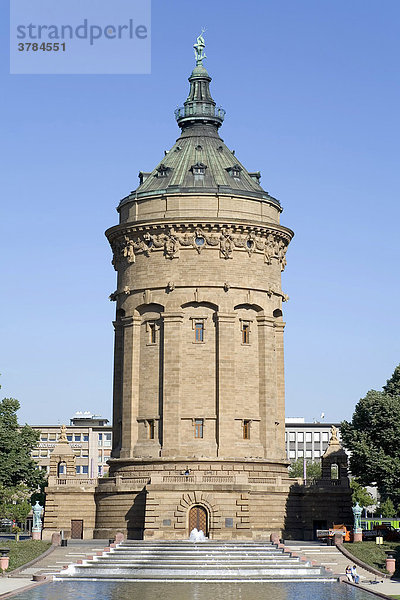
[[200, 241]]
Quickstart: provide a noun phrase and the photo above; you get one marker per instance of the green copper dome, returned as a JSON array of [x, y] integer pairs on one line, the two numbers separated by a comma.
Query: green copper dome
[[199, 161]]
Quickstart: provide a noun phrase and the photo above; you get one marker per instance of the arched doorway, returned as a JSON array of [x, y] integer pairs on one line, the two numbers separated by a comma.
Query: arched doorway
[[198, 518]]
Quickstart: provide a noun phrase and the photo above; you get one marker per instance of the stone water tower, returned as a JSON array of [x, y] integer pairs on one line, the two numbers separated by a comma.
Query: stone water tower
[[198, 416]]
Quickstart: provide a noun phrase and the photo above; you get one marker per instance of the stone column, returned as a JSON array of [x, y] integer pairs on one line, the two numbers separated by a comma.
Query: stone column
[[118, 387], [172, 367], [280, 386], [130, 385], [226, 400], [268, 384]]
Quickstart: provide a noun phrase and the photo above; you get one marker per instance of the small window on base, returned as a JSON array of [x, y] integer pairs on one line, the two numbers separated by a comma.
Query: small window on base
[[151, 429], [199, 331], [246, 333], [246, 430], [152, 333], [198, 428]]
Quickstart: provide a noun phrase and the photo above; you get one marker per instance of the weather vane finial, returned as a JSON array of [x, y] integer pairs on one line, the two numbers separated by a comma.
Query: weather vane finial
[[199, 49]]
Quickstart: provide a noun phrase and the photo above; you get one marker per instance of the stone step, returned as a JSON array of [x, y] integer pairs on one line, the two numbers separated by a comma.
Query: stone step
[[194, 553], [91, 572], [185, 561], [222, 564], [209, 543]]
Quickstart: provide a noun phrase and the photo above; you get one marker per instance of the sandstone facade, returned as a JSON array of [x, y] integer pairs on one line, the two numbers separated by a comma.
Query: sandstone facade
[[199, 382], [198, 410]]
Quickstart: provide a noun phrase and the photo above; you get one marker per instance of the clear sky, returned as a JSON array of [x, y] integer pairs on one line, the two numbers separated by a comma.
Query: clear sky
[[311, 90]]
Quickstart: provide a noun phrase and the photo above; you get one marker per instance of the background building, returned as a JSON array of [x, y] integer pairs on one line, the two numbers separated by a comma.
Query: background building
[[88, 435], [307, 440]]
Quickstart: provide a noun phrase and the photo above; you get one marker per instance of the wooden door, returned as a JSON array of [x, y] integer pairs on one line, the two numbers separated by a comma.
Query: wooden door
[[198, 519], [76, 529]]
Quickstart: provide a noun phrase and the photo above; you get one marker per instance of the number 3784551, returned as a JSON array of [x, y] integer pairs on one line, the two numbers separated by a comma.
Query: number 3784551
[[44, 47]]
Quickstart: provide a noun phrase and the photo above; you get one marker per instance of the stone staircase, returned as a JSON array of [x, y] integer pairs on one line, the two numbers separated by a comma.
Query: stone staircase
[[188, 561]]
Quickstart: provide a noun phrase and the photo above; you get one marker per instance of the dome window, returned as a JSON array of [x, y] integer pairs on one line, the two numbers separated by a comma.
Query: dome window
[[234, 171], [256, 176], [198, 169], [163, 171], [142, 177]]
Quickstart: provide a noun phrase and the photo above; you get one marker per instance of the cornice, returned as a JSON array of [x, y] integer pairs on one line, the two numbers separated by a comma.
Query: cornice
[[131, 240]]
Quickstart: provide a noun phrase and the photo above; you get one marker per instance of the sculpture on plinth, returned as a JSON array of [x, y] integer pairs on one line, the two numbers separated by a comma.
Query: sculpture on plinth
[[357, 531], [37, 521], [357, 517]]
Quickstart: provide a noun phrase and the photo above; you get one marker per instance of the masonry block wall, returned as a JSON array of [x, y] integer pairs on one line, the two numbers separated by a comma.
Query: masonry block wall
[[198, 418]]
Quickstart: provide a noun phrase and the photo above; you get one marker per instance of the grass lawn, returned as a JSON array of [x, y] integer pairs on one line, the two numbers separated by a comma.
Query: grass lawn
[[374, 554], [24, 551]]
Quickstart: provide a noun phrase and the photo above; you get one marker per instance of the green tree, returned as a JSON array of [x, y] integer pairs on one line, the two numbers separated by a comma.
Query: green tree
[[372, 437], [19, 475], [360, 494], [387, 509], [313, 469], [14, 502], [392, 386]]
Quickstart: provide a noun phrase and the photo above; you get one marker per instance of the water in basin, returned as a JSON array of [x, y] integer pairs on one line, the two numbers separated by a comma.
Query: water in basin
[[125, 590]]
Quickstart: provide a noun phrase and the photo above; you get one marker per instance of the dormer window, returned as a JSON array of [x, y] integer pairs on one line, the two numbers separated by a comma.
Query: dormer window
[[198, 169], [163, 171], [142, 177], [256, 176], [234, 171]]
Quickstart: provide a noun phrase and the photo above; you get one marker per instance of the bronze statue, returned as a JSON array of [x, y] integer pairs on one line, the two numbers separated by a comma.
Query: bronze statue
[[199, 48]]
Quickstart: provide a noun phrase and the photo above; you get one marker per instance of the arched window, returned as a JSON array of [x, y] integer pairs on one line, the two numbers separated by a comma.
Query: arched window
[[62, 469]]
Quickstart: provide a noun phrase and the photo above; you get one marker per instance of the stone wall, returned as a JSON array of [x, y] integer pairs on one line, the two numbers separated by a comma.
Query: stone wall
[[243, 499], [318, 505], [69, 500]]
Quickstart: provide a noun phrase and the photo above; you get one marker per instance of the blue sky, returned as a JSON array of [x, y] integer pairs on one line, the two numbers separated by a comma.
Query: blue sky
[[311, 91]]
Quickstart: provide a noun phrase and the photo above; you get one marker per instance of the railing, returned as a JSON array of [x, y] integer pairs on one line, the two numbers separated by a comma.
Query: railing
[[270, 480], [199, 110], [179, 479], [218, 479], [134, 480], [215, 479], [326, 482], [74, 481]]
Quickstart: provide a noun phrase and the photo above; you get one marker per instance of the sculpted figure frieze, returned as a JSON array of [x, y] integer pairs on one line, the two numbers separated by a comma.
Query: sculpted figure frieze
[[273, 244]]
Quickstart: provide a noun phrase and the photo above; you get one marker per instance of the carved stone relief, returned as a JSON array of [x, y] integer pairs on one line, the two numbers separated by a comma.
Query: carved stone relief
[[273, 244]]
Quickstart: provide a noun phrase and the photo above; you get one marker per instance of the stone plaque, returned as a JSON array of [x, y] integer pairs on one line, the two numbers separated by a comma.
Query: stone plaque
[[229, 522]]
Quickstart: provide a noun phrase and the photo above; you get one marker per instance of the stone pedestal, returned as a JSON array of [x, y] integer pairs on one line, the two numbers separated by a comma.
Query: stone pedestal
[[36, 535], [391, 565], [4, 562], [338, 538], [357, 536]]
